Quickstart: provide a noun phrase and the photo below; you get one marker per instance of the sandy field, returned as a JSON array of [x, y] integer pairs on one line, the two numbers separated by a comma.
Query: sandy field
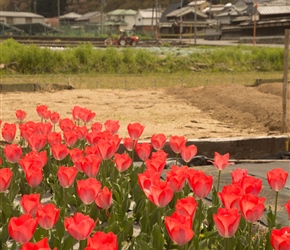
[[220, 111]]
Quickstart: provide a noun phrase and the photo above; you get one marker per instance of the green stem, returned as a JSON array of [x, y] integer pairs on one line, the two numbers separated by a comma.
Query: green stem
[[200, 216], [65, 201], [218, 184], [250, 235], [226, 243], [2, 222], [276, 203], [82, 244]]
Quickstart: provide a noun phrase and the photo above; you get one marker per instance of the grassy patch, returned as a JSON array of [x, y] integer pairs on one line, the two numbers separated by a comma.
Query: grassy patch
[[130, 81]]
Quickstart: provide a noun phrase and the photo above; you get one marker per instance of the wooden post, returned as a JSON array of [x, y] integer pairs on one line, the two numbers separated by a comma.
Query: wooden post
[[285, 80]]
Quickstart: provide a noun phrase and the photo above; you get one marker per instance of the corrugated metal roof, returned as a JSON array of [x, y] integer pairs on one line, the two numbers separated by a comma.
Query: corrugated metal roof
[[273, 10], [185, 10], [89, 15], [147, 13], [18, 14], [71, 15], [122, 12], [197, 3]]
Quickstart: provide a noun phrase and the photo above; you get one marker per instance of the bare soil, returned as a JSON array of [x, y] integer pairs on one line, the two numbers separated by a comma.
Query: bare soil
[[215, 111]]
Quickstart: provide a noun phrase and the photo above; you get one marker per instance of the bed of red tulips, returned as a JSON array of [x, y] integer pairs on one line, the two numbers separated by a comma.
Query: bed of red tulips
[[64, 184]]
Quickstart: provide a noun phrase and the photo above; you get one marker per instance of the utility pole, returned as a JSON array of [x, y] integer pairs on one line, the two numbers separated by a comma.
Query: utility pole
[[180, 26], [255, 8], [195, 23], [285, 80], [34, 6], [58, 10]]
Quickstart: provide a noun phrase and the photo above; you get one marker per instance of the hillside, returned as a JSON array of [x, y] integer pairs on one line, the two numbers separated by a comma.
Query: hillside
[[49, 8]]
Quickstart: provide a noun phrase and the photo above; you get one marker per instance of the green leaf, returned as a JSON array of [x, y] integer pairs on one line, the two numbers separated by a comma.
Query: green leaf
[[158, 239], [68, 243]]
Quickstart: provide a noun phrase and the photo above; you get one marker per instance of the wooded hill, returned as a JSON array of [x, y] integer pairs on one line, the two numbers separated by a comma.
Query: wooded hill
[[49, 8]]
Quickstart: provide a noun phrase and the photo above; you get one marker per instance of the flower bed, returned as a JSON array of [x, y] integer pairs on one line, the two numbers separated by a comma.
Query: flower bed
[[65, 185]]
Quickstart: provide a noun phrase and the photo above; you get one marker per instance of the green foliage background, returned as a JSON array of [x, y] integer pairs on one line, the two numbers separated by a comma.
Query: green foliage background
[[85, 58]]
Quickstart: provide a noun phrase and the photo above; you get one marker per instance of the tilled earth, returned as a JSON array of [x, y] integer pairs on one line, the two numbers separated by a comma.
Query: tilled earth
[[215, 111]]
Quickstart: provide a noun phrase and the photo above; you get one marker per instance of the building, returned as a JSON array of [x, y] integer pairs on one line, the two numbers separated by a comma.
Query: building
[[69, 19], [12, 17], [148, 19], [121, 19]]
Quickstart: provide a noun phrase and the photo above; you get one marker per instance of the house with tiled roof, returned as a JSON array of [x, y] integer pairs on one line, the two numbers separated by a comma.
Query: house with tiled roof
[[121, 19], [147, 19]]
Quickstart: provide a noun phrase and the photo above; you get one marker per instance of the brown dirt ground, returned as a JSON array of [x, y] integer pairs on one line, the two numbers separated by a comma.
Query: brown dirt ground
[[203, 112]]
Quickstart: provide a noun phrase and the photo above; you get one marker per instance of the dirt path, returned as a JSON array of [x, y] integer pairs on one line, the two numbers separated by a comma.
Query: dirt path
[[203, 112]]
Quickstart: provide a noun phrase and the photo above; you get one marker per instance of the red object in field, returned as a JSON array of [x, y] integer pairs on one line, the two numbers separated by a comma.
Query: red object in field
[[126, 37]]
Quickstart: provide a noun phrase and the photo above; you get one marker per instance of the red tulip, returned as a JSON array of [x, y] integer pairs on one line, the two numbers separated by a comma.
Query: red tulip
[[88, 190], [86, 115], [186, 206], [156, 164], [42, 128], [5, 179], [287, 207], [252, 207], [37, 142], [161, 192], [179, 228], [135, 130], [47, 216], [54, 138], [107, 149], [66, 124], [59, 151], [200, 183], [176, 143], [104, 198], [251, 185], [8, 132], [70, 137], [280, 238], [40, 245], [176, 178], [230, 196], [79, 226], [128, 143], [277, 178], [158, 141], [21, 229], [221, 161], [76, 112], [159, 154], [238, 174], [101, 240], [188, 152], [89, 164], [82, 132], [30, 203], [66, 176], [96, 126], [12, 152], [20, 114], [43, 112], [112, 126], [146, 180], [33, 175], [75, 154], [122, 161], [227, 221], [54, 117], [143, 150], [33, 160]]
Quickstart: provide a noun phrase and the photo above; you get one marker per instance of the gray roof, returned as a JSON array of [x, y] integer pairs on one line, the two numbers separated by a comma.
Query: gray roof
[[71, 15], [185, 10], [89, 15], [273, 10], [122, 12], [19, 14]]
